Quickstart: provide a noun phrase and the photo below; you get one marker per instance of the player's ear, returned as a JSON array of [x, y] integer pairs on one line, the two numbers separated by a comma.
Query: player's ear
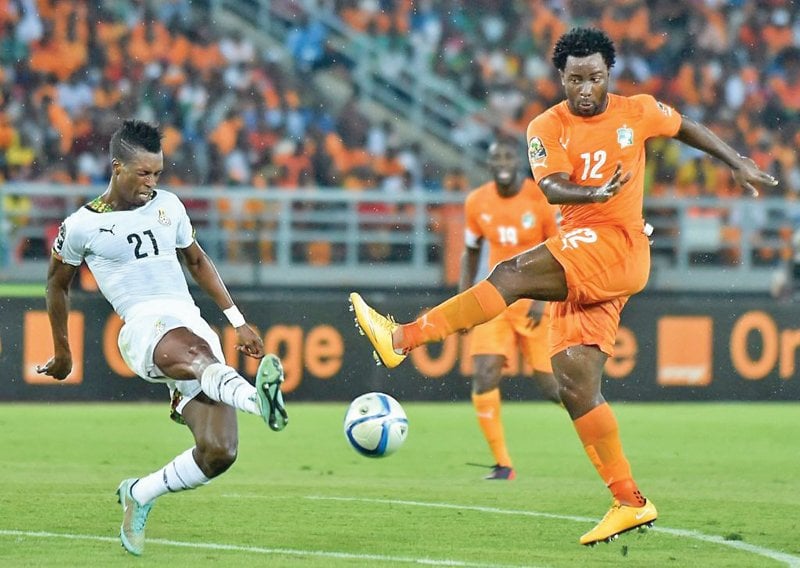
[[561, 76], [116, 166]]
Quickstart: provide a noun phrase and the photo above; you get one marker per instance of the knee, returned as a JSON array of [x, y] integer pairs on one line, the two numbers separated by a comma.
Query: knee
[[201, 351], [488, 372], [216, 457], [578, 397], [482, 385], [568, 393], [550, 388]]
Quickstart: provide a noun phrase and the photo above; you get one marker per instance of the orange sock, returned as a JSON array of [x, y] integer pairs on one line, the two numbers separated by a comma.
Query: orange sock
[[471, 307], [599, 432], [487, 409]]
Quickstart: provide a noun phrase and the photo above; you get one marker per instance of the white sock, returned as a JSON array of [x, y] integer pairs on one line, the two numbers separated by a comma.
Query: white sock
[[180, 474], [223, 384]]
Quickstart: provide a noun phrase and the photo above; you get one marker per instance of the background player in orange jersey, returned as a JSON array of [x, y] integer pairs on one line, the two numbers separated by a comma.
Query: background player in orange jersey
[[511, 215], [587, 154]]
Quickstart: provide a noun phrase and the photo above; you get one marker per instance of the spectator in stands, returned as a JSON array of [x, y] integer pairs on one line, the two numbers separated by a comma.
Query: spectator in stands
[[236, 48], [306, 42], [737, 65], [352, 125]]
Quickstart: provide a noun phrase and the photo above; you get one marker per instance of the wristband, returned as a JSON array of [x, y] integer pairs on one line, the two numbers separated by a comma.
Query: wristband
[[234, 316]]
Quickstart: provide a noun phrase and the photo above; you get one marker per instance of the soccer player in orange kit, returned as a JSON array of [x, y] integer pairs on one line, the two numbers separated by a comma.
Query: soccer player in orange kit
[[587, 153], [511, 215]]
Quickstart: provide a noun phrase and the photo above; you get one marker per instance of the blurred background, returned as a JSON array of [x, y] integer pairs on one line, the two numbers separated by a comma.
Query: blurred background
[[323, 146]]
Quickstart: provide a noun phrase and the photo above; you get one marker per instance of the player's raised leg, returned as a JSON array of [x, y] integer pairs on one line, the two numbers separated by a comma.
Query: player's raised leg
[[378, 329], [532, 274], [269, 379], [182, 354], [392, 341]]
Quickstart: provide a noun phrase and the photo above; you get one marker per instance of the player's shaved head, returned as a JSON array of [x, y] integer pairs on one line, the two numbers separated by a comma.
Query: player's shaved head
[[133, 136], [582, 42]]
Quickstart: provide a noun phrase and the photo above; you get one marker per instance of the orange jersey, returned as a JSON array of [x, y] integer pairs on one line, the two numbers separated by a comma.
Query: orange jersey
[[510, 225], [589, 148]]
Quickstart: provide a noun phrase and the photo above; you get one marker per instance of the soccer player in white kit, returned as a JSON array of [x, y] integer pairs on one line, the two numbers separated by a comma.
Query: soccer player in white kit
[[131, 237]]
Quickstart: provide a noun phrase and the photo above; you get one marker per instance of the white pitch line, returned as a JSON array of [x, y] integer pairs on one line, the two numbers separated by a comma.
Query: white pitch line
[[270, 551], [790, 560]]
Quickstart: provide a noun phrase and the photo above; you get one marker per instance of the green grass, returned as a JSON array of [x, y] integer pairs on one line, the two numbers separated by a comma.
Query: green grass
[[725, 477]]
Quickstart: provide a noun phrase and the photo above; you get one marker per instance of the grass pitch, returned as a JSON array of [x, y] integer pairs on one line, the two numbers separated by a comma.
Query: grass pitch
[[725, 478]]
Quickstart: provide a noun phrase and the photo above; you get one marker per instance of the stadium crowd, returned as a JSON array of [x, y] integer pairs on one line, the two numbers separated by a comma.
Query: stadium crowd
[[734, 64], [233, 115]]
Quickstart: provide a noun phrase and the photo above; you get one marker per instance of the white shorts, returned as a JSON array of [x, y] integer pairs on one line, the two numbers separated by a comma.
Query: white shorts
[[144, 327]]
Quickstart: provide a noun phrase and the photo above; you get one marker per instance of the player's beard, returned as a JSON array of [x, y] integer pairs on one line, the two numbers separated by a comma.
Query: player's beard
[[585, 108]]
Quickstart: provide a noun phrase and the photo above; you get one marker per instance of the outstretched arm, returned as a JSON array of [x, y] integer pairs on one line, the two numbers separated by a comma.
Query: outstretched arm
[[205, 274], [59, 278], [745, 171]]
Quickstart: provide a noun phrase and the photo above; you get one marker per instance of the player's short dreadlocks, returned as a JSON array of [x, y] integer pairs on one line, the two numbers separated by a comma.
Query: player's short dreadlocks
[[581, 42]]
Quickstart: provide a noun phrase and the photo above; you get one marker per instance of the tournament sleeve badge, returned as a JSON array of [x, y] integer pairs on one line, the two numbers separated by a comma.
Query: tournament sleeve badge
[[537, 155], [625, 136]]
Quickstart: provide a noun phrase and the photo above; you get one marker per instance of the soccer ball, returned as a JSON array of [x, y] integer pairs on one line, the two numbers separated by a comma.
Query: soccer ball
[[375, 425]]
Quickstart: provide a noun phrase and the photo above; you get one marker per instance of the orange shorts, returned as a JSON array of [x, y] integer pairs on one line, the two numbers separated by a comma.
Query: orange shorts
[[503, 334], [604, 266]]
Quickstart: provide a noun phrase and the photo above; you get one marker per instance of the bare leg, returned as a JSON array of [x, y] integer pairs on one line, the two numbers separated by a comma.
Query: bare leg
[[183, 355], [532, 274], [547, 385], [216, 434], [215, 431], [578, 370], [488, 372]]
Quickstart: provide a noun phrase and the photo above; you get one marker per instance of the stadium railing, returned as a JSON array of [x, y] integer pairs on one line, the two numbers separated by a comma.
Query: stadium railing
[[337, 237]]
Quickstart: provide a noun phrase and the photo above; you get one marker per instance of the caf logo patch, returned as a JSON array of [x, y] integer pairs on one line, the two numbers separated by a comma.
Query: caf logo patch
[[536, 151]]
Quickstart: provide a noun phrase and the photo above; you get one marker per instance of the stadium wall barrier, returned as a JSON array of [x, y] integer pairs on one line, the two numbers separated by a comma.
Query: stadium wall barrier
[[669, 348]]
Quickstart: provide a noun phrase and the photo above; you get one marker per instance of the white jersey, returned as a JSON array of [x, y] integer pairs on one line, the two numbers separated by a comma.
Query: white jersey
[[132, 254]]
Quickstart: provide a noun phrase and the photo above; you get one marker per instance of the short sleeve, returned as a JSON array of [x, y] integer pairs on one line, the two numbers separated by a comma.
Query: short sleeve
[[472, 231], [546, 152], [70, 243], [658, 119], [185, 232]]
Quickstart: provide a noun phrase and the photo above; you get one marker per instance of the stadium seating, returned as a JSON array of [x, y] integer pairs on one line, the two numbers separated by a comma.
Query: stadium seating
[[237, 115]]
